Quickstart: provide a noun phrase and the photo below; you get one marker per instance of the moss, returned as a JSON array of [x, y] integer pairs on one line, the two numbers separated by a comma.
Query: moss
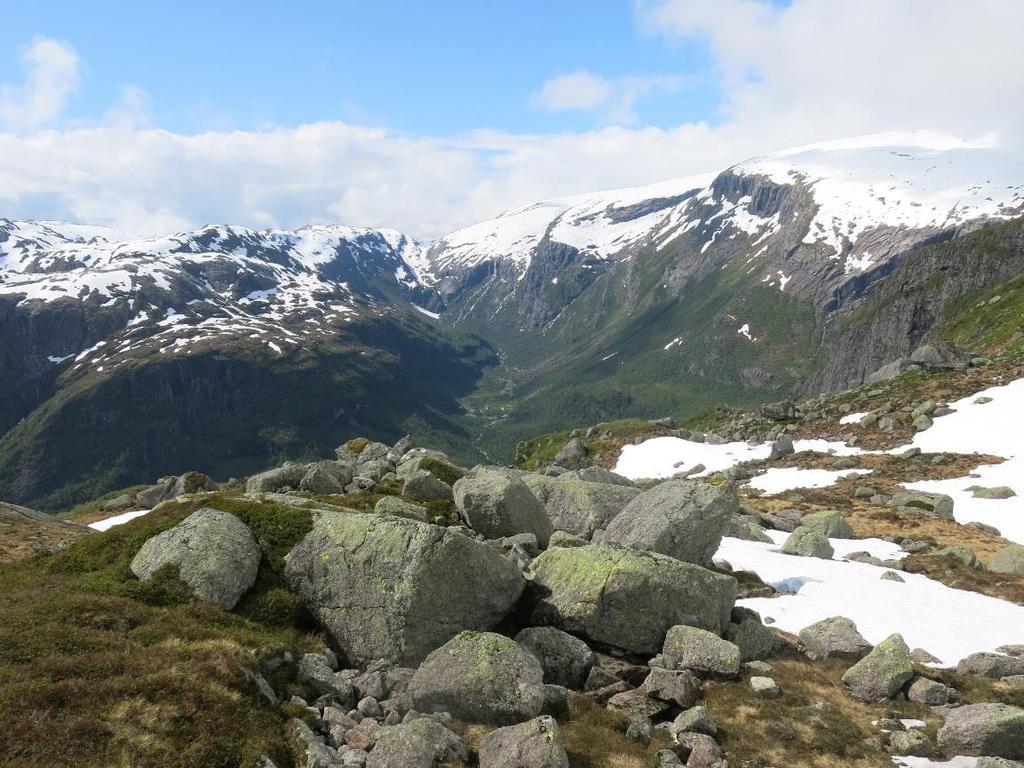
[[442, 470], [357, 445]]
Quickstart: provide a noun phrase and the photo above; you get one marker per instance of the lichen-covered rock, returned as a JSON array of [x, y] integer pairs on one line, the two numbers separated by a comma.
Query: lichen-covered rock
[[994, 665], [882, 673], [910, 742], [677, 687], [421, 485], [747, 529], [1009, 559], [930, 692], [420, 743], [579, 506], [308, 751], [395, 589], [625, 597], [695, 720], [684, 519], [214, 552], [566, 660], [326, 477], [828, 523], [288, 476], [480, 677], [922, 503], [496, 503], [392, 505], [750, 635], [984, 729], [806, 542], [834, 638], [700, 651], [536, 743]]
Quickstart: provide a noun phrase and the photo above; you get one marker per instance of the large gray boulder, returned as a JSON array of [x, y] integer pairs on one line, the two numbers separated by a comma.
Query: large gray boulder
[[807, 542], [326, 477], [882, 673], [536, 743], [625, 597], [573, 455], [480, 677], [1009, 559], [984, 729], [579, 506], [566, 660], [829, 523], [834, 638], [988, 664], [421, 485], [214, 552], [497, 503], [420, 743], [700, 651], [922, 503], [172, 487], [288, 476], [750, 635], [940, 356], [684, 519], [396, 589]]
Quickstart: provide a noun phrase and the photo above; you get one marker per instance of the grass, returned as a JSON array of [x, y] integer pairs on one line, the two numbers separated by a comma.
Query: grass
[[97, 669]]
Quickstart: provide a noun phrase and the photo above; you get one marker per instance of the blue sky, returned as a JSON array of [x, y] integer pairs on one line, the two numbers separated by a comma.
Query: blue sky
[[428, 116], [439, 68]]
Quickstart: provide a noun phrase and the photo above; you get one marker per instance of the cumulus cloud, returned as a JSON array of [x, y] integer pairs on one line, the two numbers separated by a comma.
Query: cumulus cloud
[[809, 71], [52, 76], [612, 99], [815, 69]]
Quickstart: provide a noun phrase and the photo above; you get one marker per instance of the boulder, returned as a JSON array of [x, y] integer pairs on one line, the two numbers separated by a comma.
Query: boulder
[[420, 743], [695, 720], [748, 633], [922, 503], [806, 542], [940, 356], [326, 477], [480, 677], [392, 505], [828, 523], [1009, 559], [834, 638], [993, 665], [602, 475], [308, 751], [700, 651], [929, 692], [172, 487], [997, 493], [747, 529], [996, 730], [627, 598], [781, 448], [496, 503], [882, 673], [579, 506], [684, 519], [421, 485], [566, 660], [765, 687], [573, 455], [214, 553], [536, 743], [679, 688], [288, 476], [396, 589], [891, 371]]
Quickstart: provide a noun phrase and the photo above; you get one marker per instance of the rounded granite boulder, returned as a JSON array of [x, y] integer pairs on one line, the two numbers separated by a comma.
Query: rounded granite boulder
[[214, 552]]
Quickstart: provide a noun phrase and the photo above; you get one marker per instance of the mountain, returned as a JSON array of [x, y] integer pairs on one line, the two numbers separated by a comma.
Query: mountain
[[226, 349]]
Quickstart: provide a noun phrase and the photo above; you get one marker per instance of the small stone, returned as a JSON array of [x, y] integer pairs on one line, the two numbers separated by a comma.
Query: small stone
[[765, 687], [892, 576]]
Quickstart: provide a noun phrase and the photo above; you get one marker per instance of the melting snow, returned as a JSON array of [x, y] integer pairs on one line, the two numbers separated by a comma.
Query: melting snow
[[426, 312], [821, 588], [110, 522], [779, 479]]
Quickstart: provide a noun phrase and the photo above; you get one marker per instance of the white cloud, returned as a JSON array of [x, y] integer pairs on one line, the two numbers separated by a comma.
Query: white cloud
[[612, 98], [816, 69], [52, 77], [810, 71]]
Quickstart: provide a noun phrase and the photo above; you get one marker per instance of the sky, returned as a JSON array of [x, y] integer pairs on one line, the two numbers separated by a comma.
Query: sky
[[424, 117]]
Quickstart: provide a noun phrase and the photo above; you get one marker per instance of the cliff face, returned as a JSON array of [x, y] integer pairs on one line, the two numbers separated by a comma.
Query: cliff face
[[910, 304]]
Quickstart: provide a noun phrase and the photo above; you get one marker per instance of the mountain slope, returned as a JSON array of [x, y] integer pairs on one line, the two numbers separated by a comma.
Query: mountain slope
[[734, 287]]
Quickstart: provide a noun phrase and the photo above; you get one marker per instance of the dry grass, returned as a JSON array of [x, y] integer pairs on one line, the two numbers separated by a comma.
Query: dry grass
[[21, 538], [814, 724]]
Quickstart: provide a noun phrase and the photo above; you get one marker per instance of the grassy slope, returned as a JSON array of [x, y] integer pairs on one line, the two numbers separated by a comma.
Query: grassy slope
[[97, 669]]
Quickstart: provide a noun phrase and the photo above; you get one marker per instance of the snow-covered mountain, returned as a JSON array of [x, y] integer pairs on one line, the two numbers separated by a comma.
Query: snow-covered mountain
[[670, 297]]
